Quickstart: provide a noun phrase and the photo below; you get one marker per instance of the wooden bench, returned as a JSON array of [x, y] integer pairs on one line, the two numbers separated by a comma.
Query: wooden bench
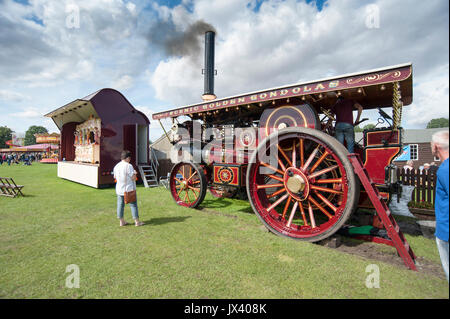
[[9, 188]]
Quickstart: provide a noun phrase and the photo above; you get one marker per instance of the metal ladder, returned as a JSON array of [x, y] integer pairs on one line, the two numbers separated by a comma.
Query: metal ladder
[[149, 172], [398, 240]]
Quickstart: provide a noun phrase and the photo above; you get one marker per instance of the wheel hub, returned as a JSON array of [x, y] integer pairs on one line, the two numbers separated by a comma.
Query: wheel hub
[[296, 183]]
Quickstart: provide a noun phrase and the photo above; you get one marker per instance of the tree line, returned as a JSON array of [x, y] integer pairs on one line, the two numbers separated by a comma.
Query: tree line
[[30, 139]]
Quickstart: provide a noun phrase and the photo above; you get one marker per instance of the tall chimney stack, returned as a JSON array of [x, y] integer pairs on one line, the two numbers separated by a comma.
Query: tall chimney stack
[[209, 67]]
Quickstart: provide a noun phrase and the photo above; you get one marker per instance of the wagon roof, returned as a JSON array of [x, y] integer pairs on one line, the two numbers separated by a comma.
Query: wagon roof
[[374, 89]]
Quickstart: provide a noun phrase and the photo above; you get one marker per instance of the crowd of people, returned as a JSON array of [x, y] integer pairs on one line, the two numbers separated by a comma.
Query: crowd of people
[[19, 158]]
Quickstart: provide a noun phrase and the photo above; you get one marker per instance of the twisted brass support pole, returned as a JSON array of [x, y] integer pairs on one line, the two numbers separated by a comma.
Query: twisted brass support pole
[[397, 106]]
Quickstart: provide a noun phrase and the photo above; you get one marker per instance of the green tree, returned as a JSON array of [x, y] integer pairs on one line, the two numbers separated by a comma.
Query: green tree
[[365, 127], [436, 123], [5, 135], [30, 139], [358, 129]]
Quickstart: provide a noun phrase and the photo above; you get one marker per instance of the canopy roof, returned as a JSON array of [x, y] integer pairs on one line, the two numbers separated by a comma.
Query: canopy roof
[[372, 88], [78, 110], [107, 104]]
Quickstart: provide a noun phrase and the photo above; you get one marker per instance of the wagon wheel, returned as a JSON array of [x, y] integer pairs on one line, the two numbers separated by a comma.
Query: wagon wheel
[[223, 191], [315, 189], [187, 184]]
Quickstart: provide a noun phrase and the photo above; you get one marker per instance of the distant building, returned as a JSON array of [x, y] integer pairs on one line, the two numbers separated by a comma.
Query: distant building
[[162, 148], [416, 144]]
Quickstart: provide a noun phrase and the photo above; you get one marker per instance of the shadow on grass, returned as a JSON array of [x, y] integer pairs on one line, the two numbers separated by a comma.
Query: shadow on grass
[[216, 203], [165, 220]]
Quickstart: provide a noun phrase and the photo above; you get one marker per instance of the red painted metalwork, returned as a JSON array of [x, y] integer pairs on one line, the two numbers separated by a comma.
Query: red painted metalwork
[[302, 186], [309, 189], [346, 82], [383, 212], [273, 119]]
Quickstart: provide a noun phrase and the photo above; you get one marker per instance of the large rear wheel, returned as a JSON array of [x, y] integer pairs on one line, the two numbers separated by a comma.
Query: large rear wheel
[[301, 184]]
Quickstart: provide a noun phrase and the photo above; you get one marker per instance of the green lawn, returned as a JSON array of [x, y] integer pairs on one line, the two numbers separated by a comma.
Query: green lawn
[[217, 252]]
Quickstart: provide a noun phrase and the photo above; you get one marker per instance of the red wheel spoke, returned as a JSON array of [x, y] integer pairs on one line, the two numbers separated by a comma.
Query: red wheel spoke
[[269, 186], [278, 192], [311, 215], [319, 161], [285, 156], [189, 199], [194, 190], [272, 168], [281, 164], [310, 158], [275, 204], [191, 176], [291, 217], [286, 206], [324, 189], [276, 178], [323, 210], [181, 173], [326, 201], [302, 211], [179, 192], [328, 181], [177, 180], [323, 171], [302, 155], [294, 160]]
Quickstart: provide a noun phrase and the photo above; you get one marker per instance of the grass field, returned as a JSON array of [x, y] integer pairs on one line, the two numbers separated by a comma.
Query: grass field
[[219, 251]]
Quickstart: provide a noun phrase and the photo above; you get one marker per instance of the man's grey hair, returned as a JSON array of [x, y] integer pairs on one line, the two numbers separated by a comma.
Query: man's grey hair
[[441, 138]]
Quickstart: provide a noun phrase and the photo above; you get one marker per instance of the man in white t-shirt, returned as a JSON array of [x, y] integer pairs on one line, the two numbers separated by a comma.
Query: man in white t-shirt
[[125, 177]]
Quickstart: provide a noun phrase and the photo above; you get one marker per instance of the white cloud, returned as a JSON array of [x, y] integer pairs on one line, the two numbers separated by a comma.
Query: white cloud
[[123, 83], [280, 43], [6, 95], [29, 113], [431, 100], [290, 41]]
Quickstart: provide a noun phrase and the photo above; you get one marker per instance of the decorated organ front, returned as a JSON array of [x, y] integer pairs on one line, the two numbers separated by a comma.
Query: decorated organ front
[[87, 141]]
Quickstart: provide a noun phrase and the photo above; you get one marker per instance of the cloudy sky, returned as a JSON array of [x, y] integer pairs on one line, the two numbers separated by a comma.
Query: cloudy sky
[[53, 52]]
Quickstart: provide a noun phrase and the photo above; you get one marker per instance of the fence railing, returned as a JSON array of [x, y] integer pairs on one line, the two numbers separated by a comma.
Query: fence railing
[[424, 182]]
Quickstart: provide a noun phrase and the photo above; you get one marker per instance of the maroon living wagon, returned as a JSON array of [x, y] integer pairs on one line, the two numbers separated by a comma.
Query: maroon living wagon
[[278, 146], [94, 131]]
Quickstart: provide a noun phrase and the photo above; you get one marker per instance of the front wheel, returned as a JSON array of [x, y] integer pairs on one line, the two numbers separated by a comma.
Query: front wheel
[[187, 184], [301, 184]]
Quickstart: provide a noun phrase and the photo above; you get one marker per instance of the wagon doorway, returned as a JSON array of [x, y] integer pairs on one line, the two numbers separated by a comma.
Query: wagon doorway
[[135, 139], [129, 141], [142, 144]]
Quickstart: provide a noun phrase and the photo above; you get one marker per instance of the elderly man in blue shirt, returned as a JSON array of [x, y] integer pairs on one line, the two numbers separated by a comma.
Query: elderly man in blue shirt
[[439, 147]]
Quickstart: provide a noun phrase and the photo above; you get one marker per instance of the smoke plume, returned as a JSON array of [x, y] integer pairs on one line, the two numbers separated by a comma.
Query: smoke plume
[[180, 43]]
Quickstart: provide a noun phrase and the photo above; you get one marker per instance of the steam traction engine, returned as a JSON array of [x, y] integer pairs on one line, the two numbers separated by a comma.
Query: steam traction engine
[[278, 145]]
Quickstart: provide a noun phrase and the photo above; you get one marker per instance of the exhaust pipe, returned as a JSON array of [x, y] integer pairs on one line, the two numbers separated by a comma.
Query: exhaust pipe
[[208, 72]]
